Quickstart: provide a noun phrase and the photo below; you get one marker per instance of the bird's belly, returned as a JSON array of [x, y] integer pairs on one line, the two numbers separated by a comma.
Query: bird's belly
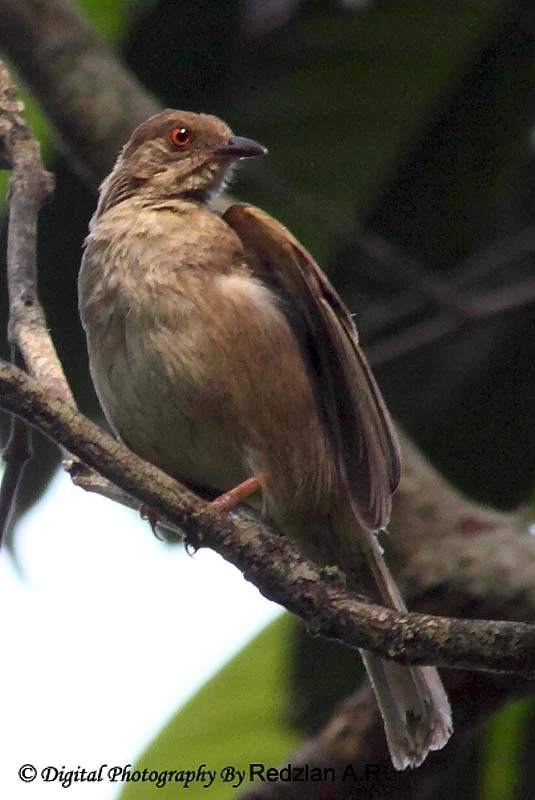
[[162, 411]]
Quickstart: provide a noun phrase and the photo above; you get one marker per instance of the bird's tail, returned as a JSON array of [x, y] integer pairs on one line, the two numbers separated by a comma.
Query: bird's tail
[[414, 706]]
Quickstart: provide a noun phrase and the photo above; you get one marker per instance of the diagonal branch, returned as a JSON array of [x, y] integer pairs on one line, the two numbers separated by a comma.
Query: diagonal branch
[[270, 561], [445, 323]]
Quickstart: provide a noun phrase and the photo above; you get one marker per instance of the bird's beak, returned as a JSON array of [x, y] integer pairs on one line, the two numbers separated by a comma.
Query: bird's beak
[[240, 147]]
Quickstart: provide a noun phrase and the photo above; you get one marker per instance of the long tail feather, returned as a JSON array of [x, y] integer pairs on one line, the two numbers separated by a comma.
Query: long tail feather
[[414, 706]]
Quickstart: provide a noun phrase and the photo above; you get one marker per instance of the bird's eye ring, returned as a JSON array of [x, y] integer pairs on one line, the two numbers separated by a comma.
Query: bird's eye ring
[[180, 137]]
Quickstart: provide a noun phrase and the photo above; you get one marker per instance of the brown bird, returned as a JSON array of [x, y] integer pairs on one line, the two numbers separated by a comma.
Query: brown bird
[[221, 353]]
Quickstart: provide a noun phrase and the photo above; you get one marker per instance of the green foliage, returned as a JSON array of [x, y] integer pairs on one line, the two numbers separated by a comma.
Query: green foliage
[[504, 752], [239, 716], [111, 20]]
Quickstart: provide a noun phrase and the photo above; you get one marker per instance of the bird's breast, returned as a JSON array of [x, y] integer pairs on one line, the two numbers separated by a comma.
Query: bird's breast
[[195, 363]]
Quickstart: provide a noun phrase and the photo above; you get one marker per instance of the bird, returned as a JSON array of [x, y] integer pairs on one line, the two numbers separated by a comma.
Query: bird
[[221, 353]]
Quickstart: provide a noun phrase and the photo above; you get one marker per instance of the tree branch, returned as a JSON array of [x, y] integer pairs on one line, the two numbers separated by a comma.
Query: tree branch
[[33, 349], [445, 323], [92, 99], [29, 187], [269, 560]]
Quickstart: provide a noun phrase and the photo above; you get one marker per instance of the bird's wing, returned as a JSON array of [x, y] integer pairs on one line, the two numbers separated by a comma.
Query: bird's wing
[[353, 412]]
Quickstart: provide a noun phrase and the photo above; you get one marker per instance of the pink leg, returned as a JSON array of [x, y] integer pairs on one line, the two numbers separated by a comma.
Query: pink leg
[[230, 499]]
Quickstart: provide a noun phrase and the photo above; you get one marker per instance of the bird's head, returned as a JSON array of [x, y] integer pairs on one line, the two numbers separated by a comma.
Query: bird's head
[[176, 154]]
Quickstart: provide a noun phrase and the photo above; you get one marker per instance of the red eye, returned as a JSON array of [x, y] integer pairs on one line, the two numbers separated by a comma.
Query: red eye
[[180, 137]]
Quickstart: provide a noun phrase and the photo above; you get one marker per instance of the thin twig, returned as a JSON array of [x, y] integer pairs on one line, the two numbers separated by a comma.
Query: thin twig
[[384, 260], [495, 257], [16, 454], [423, 334], [29, 187], [395, 265]]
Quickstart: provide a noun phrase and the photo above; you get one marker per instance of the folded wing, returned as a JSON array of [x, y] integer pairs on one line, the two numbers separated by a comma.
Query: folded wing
[[352, 410]]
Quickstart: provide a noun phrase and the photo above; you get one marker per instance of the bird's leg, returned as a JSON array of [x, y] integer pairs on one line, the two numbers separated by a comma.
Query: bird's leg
[[230, 499], [224, 502]]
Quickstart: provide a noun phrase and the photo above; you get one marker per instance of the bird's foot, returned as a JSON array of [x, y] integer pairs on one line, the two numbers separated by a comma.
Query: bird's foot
[[193, 542], [148, 513]]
